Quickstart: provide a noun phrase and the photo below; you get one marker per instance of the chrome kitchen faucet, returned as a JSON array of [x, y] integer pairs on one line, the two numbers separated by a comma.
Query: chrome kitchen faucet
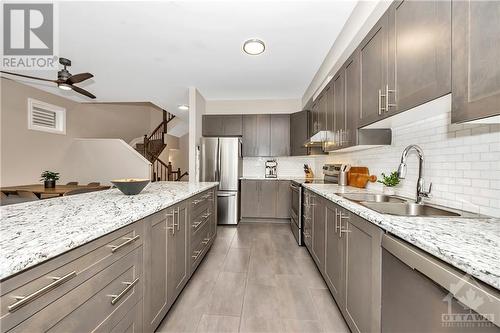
[[421, 194]]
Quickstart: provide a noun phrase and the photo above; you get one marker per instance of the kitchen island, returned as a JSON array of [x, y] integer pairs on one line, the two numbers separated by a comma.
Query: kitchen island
[[60, 258]]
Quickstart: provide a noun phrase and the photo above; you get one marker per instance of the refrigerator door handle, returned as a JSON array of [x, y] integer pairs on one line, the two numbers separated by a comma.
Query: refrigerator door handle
[[219, 171], [217, 163]]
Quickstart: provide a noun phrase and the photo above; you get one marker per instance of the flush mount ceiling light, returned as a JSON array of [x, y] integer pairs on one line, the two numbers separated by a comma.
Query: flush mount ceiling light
[[183, 107], [254, 46]]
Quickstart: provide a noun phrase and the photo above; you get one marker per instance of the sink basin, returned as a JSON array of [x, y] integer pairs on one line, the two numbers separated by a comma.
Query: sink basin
[[408, 209], [370, 197]]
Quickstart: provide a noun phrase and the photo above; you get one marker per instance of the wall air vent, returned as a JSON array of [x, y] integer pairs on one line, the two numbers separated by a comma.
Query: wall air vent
[[46, 117]]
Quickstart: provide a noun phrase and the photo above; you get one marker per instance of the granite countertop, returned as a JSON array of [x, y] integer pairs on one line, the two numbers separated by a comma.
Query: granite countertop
[[469, 244], [298, 178], [33, 232]]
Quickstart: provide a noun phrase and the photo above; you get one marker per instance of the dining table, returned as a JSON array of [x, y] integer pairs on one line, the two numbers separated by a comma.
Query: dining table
[[40, 189]]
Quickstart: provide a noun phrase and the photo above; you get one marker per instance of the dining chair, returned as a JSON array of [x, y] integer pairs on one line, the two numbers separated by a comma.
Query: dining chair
[[82, 190], [72, 183], [27, 195], [94, 184]]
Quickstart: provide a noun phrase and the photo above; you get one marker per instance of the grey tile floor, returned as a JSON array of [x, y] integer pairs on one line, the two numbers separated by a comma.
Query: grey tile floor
[[255, 279]]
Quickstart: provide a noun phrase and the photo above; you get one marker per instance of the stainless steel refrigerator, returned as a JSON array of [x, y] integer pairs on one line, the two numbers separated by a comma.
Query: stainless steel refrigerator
[[222, 161]]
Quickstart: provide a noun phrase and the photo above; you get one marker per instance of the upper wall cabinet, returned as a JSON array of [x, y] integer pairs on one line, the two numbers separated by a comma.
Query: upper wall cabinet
[[374, 63], [280, 135], [419, 54], [256, 135], [299, 133], [476, 54], [352, 100], [222, 125]]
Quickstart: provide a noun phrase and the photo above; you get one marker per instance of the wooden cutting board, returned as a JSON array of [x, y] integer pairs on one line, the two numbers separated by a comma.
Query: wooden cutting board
[[359, 177]]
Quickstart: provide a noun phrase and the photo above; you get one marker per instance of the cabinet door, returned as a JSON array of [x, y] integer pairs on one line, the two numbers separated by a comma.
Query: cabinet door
[[211, 125], [339, 109], [322, 110], [476, 50], [318, 232], [284, 199], [373, 58], [257, 135], [335, 253], [299, 133], [419, 53], [307, 215], [177, 252], [352, 103], [280, 135], [155, 268], [250, 198], [362, 273], [268, 198], [232, 125], [314, 117]]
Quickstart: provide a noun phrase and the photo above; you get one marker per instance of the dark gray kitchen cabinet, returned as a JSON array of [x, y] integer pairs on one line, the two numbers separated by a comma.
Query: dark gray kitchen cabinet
[[373, 53], [339, 110], [419, 53], [284, 199], [475, 66], [322, 103], [314, 117], [363, 261], [222, 125], [318, 232], [177, 252], [256, 135], [299, 133], [334, 254], [352, 98], [268, 198], [250, 198], [280, 135]]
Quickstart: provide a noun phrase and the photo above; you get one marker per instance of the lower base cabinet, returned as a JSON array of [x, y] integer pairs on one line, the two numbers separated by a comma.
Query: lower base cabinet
[[265, 200]]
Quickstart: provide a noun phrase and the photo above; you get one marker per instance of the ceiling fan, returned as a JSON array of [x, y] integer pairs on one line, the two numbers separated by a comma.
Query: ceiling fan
[[65, 80]]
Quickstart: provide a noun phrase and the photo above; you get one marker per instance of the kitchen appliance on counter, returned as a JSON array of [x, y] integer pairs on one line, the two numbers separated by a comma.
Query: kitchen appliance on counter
[[336, 173], [271, 169], [222, 161]]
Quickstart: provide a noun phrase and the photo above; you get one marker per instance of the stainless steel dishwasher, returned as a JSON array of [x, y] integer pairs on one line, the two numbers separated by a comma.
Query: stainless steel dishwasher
[[420, 293]]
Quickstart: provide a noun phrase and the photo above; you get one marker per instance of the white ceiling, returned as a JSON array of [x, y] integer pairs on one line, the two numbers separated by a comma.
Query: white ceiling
[[153, 51]]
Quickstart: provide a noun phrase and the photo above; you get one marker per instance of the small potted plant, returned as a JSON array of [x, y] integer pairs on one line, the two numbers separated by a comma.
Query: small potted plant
[[49, 178], [389, 182]]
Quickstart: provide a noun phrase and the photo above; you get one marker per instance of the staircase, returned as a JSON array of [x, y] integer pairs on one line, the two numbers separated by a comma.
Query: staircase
[[151, 148]]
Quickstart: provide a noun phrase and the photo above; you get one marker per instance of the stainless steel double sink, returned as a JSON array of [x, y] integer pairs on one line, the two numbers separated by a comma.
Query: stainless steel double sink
[[394, 205]]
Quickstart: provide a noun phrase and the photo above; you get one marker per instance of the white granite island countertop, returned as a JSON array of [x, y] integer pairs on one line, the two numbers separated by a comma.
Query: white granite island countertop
[[33, 232], [469, 244]]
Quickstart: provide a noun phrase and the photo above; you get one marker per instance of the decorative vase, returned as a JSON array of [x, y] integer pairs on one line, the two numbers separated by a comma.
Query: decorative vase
[[389, 190], [49, 183]]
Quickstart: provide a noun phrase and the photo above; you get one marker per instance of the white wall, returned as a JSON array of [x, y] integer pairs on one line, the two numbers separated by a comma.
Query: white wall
[[362, 19], [102, 160], [197, 106], [462, 161], [253, 106]]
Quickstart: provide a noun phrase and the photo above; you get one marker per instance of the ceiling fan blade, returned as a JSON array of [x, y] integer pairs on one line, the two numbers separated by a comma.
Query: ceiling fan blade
[[82, 91], [79, 78], [29, 77]]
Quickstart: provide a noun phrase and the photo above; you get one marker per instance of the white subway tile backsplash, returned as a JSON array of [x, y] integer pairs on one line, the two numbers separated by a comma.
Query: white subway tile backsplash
[[461, 160]]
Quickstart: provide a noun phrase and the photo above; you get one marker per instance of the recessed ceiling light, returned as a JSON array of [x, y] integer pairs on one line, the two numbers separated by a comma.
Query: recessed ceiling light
[[183, 107], [254, 46]]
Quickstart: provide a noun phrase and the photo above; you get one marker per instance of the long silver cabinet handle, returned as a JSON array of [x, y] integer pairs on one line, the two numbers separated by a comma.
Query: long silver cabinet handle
[[128, 240], [196, 254], [178, 219], [23, 300], [130, 285]]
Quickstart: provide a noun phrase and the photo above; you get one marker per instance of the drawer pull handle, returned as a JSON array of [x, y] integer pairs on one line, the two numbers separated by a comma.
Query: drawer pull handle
[[130, 285], [128, 240], [206, 196], [196, 254], [195, 202], [204, 217], [23, 300], [205, 241], [197, 224]]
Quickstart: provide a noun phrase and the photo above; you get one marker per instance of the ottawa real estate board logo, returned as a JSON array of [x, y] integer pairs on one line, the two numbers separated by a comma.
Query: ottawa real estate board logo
[[29, 36]]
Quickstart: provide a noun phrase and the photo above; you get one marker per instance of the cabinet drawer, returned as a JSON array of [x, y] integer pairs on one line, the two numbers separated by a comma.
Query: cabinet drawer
[[39, 287], [201, 202], [200, 245], [108, 295], [203, 217]]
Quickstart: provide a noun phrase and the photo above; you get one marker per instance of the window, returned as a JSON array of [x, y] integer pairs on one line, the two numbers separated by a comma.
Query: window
[[46, 117]]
